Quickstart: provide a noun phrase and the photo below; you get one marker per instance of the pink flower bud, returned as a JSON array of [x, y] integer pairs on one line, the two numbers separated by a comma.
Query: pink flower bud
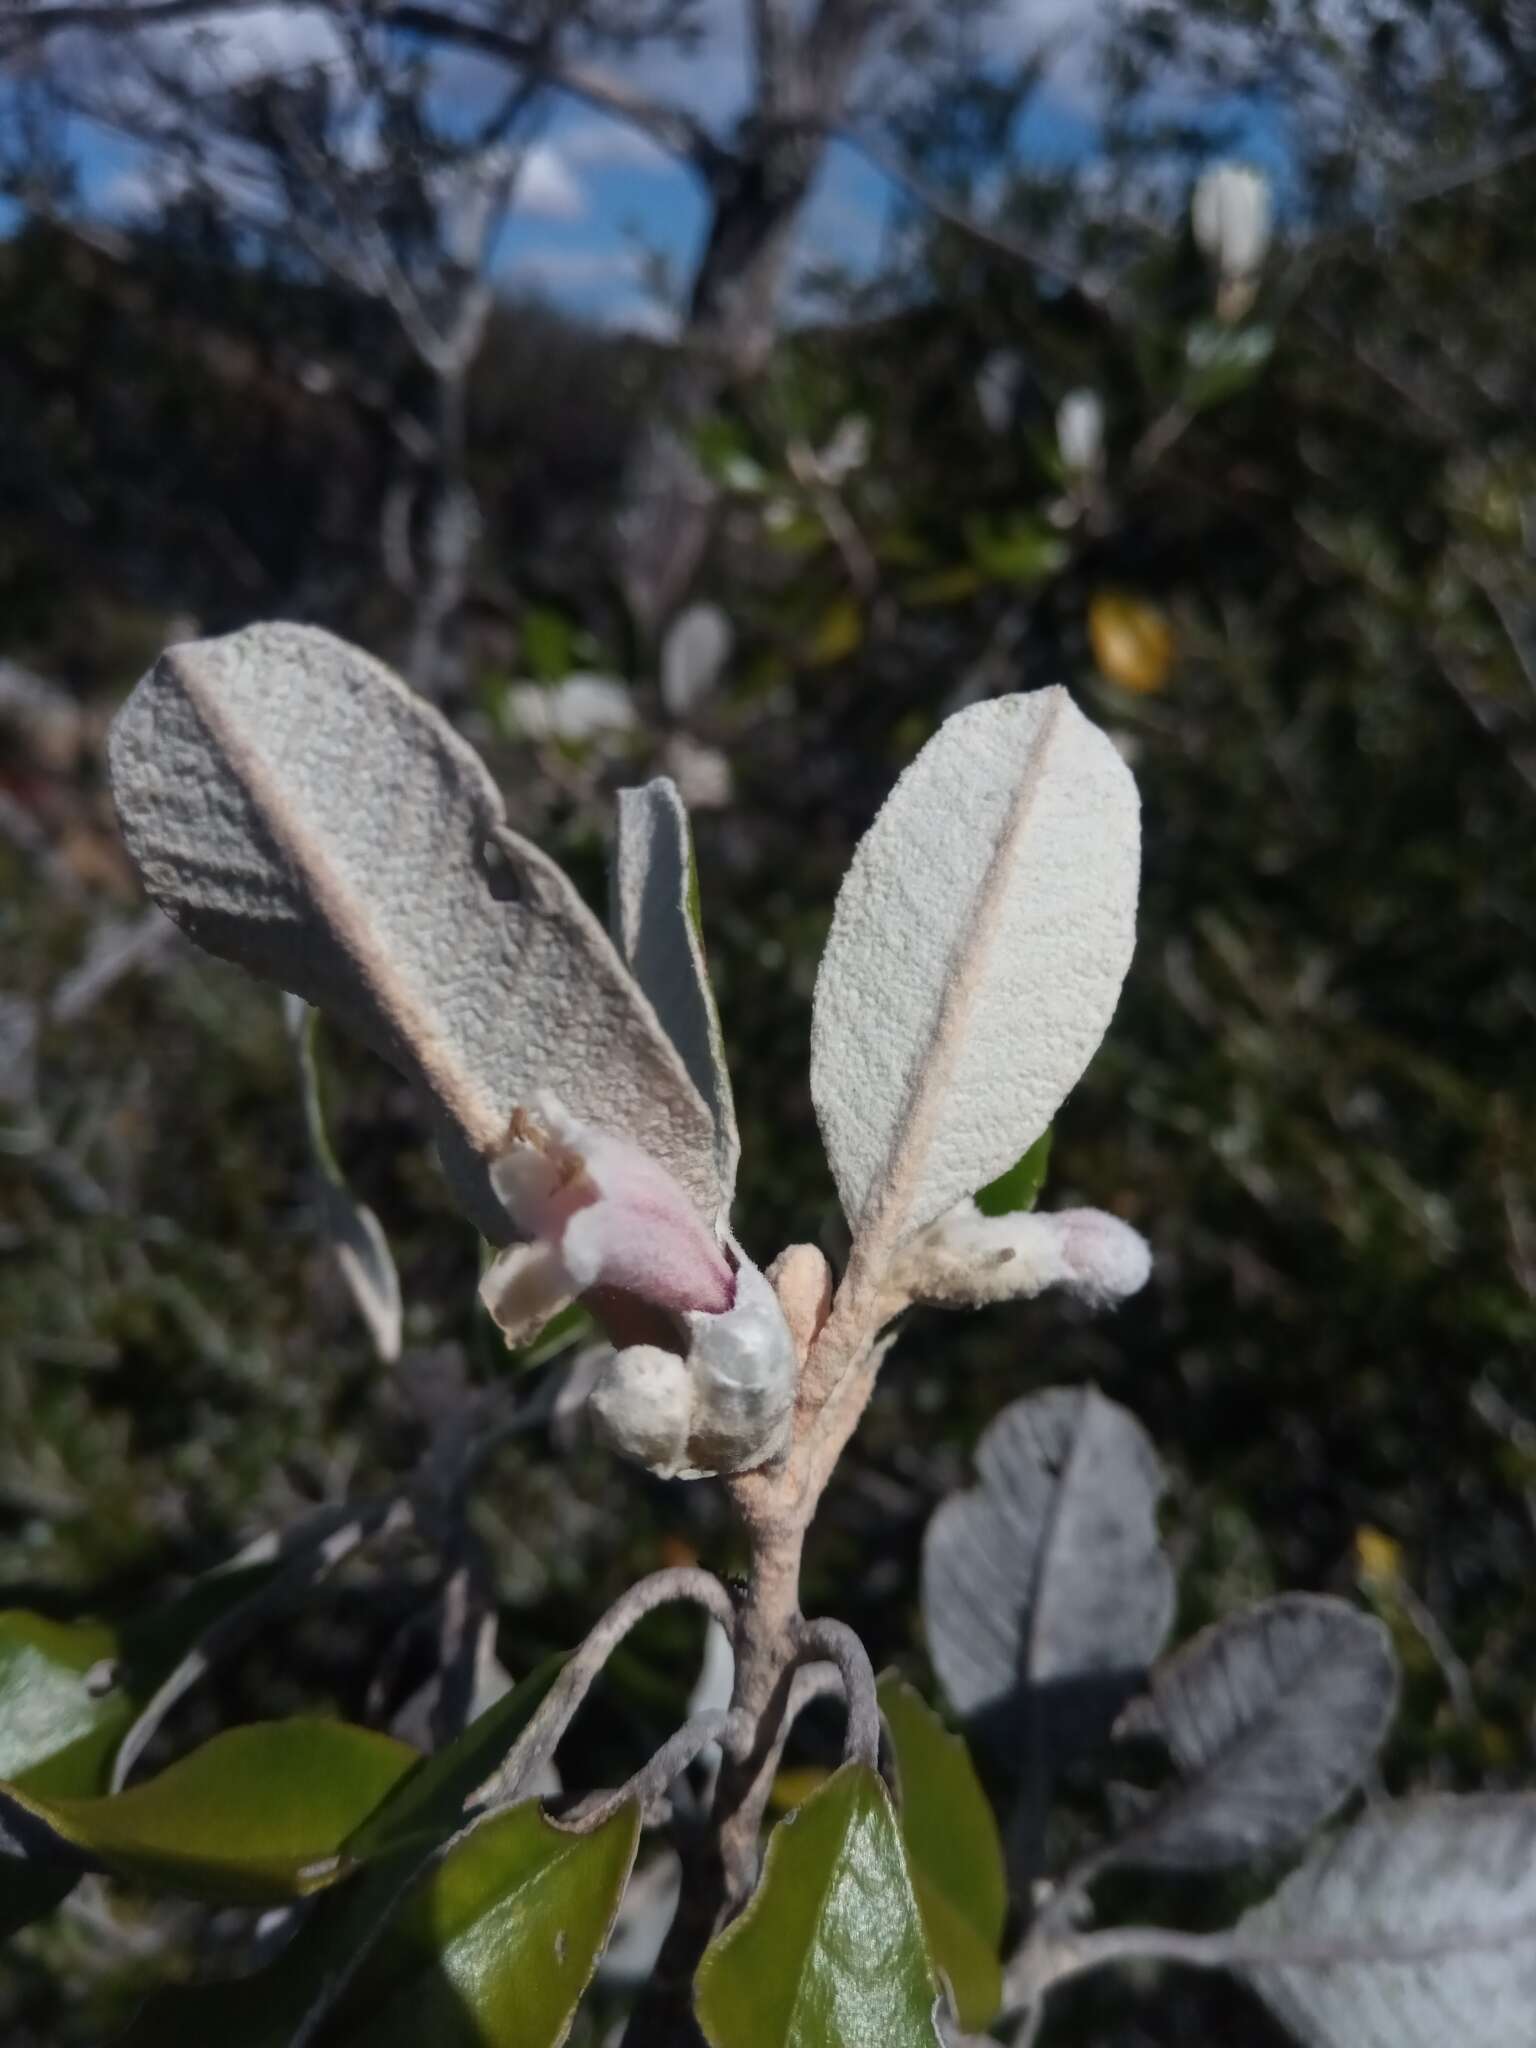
[[595, 1212]]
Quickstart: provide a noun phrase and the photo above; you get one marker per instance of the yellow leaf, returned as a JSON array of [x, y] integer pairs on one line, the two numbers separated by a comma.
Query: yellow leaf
[[1132, 641], [1378, 1557], [838, 632]]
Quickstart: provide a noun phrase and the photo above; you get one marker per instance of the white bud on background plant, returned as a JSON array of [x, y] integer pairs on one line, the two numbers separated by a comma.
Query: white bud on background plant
[[1232, 218], [696, 648], [846, 451], [1080, 433], [578, 708]]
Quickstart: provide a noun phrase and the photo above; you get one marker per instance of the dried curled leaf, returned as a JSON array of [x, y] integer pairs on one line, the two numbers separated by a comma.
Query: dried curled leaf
[[975, 958], [296, 809]]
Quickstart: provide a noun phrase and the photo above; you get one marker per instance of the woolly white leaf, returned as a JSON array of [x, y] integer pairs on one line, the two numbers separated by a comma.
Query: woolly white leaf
[[1416, 1928], [975, 958], [697, 647], [1273, 1718], [296, 809], [654, 917]]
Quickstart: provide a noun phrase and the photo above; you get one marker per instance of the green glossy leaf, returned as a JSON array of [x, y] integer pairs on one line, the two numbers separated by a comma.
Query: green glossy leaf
[[1018, 1188], [57, 1732], [496, 1946], [258, 1815], [830, 1949], [425, 1808], [427, 1805], [58, 1735], [954, 1852]]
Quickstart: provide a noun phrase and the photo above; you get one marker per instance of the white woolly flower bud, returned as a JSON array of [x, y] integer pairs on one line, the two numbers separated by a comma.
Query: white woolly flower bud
[[1231, 216], [966, 1258], [723, 1406], [1080, 432]]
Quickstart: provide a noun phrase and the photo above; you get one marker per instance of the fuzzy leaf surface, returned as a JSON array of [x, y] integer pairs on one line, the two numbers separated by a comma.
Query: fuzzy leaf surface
[[976, 955], [1273, 1718], [296, 809], [1414, 1928], [654, 916], [1049, 1575]]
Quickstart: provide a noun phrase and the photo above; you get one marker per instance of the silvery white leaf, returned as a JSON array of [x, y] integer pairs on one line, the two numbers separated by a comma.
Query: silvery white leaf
[[1415, 1928], [654, 918], [697, 647], [296, 809], [975, 959], [1273, 1719], [1048, 1578]]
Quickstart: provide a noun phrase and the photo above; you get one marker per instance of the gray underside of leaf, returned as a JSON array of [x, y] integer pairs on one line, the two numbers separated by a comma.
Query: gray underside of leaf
[[1273, 1719], [296, 809], [653, 927], [1418, 1926], [1050, 1574]]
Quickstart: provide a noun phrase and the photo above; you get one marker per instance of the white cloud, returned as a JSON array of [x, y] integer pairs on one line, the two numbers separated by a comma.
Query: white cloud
[[547, 186]]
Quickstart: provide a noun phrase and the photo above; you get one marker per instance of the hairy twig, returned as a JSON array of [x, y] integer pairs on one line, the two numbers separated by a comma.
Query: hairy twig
[[538, 1741], [836, 1642], [650, 1783]]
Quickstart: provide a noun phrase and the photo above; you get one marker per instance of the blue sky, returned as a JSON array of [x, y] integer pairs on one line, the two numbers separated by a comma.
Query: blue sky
[[595, 195]]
